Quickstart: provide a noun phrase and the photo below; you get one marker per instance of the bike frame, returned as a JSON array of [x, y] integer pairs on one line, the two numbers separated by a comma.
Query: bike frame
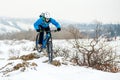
[[47, 36], [46, 40]]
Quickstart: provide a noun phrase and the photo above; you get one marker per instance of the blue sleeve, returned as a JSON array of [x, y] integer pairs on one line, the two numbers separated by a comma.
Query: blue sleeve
[[37, 23], [54, 22]]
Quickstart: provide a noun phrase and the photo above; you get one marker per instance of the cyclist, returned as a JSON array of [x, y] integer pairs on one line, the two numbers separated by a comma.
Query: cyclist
[[42, 24]]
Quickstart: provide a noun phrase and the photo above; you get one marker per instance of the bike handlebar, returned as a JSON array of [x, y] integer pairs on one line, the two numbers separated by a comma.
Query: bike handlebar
[[50, 31]]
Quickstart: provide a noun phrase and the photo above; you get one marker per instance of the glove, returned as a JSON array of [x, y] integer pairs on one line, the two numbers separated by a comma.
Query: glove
[[58, 29], [38, 30]]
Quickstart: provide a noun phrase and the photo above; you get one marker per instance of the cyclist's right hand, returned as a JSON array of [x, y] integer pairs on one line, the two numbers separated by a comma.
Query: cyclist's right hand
[[38, 30]]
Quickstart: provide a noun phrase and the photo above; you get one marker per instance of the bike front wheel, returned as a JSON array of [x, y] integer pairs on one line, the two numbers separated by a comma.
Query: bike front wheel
[[50, 51]]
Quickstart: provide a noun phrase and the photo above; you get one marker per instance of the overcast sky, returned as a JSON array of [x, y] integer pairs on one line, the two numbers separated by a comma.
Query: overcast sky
[[74, 10]]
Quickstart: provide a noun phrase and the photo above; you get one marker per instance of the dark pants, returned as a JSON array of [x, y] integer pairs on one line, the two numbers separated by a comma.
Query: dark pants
[[42, 33]]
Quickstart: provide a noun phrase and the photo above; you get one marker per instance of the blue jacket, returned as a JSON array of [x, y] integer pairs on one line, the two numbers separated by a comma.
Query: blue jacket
[[41, 22]]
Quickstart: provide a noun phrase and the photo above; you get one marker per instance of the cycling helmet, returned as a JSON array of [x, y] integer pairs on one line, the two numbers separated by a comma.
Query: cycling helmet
[[45, 15]]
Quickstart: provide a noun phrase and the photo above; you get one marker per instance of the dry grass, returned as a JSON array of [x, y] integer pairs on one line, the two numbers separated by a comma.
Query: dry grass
[[30, 56], [56, 63]]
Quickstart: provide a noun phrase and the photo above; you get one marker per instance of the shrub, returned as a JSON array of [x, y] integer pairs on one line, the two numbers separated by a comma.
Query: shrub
[[96, 54]]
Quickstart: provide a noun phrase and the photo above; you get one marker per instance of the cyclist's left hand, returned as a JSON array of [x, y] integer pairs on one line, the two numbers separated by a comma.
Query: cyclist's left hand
[[58, 29]]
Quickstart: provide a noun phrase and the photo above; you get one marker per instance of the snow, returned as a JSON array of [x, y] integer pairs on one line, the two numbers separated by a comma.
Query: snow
[[46, 71]]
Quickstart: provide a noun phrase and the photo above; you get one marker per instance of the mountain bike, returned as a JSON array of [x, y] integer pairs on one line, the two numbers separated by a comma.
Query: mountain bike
[[47, 43]]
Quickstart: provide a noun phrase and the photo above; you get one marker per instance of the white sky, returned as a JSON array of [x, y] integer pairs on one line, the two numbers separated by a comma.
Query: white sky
[[74, 10]]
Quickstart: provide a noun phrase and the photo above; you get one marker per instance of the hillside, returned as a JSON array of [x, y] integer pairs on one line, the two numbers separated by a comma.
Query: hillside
[[11, 25], [12, 68]]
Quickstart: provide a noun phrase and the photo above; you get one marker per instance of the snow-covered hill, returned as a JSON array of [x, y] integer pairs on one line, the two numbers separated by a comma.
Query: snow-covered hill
[[36, 69], [8, 25]]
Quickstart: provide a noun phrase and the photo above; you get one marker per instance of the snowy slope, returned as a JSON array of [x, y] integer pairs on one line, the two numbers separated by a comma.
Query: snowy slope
[[6, 28], [9, 25], [46, 71]]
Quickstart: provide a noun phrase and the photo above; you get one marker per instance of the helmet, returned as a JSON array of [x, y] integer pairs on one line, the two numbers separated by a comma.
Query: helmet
[[45, 15]]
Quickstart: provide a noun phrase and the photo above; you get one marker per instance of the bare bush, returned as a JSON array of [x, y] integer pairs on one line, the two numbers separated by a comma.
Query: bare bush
[[98, 55], [61, 53], [95, 53], [74, 32]]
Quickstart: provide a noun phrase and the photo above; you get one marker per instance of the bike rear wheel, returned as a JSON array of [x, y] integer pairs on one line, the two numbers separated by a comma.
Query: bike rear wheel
[[50, 51], [39, 49]]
